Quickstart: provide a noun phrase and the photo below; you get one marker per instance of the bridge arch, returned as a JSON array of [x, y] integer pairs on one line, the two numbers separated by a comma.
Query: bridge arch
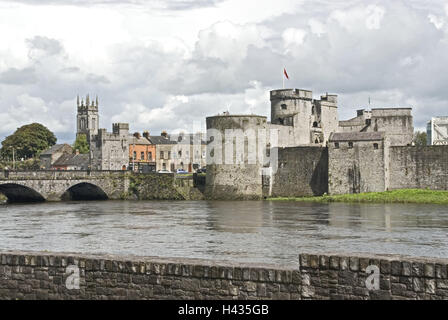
[[20, 193], [84, 191]]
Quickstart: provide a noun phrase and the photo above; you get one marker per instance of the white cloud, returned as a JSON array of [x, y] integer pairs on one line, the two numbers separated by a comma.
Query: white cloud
[[293, 37], [437, 21], [374, 17], [317, 27]]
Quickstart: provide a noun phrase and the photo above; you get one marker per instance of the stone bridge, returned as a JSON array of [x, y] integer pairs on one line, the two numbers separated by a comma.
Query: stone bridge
[[35, 186]]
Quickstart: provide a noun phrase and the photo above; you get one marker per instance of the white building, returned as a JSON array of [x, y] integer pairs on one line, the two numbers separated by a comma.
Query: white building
[[437, 131]]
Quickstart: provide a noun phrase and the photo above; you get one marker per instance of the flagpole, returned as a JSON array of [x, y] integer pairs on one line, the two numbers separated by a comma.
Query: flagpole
[[283, 78]]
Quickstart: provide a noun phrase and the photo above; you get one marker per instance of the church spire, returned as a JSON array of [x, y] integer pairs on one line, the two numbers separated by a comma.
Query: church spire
[[77, 100]]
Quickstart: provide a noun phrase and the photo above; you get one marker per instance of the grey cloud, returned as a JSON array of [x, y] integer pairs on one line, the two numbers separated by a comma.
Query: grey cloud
[[402, 63], [161, 4], [48, 46], [18, 76], [92, 78]]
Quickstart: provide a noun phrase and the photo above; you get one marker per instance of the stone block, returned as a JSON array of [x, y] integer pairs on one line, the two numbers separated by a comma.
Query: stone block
[[334, 263], [441, 271], [429, 270], [354, 263]]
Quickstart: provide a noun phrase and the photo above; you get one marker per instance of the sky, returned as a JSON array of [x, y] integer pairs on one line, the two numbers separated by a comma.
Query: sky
[[165, 65]]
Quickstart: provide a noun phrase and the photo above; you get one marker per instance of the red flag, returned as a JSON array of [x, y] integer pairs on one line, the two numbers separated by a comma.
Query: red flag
[[286, 75]]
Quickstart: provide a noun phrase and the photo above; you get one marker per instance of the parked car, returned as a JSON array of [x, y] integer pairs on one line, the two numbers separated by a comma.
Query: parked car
[[164, 171], [201, 170], [181, 171]]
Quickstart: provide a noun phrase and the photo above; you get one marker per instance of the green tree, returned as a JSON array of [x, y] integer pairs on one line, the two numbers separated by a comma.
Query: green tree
[[81, 144], [420, 138], [28, 141]]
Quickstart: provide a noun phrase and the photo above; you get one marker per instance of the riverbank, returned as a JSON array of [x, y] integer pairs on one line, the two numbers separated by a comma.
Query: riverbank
[[395, 196]]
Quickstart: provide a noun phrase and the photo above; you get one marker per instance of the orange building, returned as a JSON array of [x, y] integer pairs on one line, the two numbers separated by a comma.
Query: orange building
[[142, 153]]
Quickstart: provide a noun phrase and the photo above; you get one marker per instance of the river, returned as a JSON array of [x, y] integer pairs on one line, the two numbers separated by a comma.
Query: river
[[239, 231]]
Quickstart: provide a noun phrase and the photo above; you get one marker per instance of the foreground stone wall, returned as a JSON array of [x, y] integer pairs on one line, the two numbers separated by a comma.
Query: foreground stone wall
[[419, 167], [46, 275]]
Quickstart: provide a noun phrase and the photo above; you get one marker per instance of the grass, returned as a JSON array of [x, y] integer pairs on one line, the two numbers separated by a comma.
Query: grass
[[397, 196]]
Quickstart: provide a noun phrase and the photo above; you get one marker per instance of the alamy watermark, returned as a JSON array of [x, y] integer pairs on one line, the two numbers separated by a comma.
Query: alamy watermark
[[373, 280], [72, 281], [229, 147]]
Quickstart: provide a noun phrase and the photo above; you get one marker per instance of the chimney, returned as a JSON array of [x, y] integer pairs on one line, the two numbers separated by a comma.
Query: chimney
[[137, 135], [146, 134], [164, 134]]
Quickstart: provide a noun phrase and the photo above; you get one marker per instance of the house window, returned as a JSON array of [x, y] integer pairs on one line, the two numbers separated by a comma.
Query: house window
[[169, 154], [180, 153], [135, 155], [142, 155], [350, 145], [375, 146], [164, 166], [284, 106], [336, 145], [149, 156], [161, 154]]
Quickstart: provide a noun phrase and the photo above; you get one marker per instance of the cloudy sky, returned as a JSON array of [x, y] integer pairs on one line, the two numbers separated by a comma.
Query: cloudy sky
[[162, 65]]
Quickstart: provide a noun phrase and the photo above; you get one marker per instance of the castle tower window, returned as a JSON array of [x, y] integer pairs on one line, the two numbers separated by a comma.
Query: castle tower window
[[350, 145], [169, 154], [161, 154], [336, 145], [312, 110], [315, 124], [375, 146], [284, 106], [280, 121]]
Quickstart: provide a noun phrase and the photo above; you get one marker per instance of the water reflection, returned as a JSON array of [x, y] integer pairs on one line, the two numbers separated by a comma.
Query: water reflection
[[256, 231]]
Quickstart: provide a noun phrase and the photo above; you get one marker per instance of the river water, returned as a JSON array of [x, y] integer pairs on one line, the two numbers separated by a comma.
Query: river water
[[240, 231]]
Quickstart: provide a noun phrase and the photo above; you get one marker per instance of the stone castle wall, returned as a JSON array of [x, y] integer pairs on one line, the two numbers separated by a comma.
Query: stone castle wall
[[302, 171], [419, 167], [358, 169], [55, 276]]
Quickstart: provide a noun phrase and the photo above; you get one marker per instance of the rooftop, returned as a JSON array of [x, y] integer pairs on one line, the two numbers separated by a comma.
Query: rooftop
[[81, 160], [54, 149]]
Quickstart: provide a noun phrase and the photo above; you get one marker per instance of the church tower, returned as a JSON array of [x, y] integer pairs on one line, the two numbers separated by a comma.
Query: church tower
[[87, 119]]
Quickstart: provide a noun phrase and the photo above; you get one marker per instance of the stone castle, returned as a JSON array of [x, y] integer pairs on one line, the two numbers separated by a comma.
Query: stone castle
[[319, 154]]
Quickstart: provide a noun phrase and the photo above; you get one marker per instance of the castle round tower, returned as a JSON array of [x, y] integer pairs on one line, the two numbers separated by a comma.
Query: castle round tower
[[234, 164], [294, 108]]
